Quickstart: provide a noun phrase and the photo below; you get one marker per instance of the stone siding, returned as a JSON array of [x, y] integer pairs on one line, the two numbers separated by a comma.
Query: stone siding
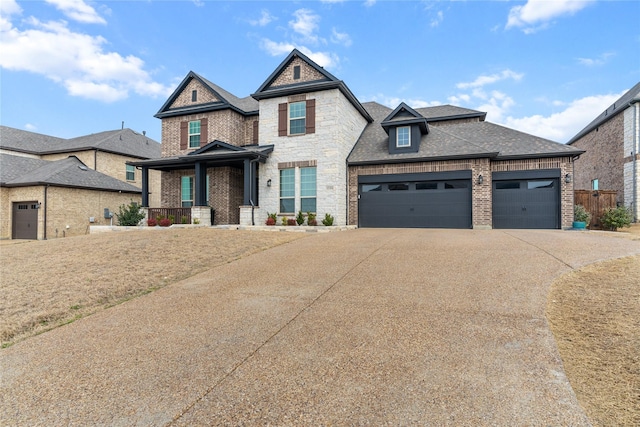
[[307, 74], [338, 126], [632, 159], [603, 158]]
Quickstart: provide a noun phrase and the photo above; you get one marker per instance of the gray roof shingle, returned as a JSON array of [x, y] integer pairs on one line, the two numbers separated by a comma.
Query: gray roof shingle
[[456, 140], [17, 171], [122, 141]]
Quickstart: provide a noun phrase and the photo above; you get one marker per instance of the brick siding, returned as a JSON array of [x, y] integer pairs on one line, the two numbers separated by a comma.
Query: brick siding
[[603, 159], [307, 74], [184, 98]]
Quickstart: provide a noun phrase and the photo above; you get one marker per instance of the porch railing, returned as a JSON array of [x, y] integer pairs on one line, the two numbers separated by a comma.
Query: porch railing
[[177, 213]]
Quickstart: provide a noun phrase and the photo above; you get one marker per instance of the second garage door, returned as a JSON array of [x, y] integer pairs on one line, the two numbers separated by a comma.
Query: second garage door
[[527, 199], [431, 200]]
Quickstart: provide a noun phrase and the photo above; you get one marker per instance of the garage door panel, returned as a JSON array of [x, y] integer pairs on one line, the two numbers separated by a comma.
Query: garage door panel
[[422, 205], [526, 204]]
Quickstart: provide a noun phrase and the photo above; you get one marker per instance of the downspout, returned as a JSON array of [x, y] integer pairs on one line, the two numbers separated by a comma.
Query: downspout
[[44, 212], [636, 131], [95, 160]]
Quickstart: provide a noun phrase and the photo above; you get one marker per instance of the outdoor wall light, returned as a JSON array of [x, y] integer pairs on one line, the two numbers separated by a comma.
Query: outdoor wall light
[[567, 178], [269, 182], [480, 179]]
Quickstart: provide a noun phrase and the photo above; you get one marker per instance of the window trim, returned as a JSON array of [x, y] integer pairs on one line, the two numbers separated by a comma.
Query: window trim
[[315, 189], [191, 179], [291, 197], [130, 169], [189, 134], [408, 128], [303, 117]]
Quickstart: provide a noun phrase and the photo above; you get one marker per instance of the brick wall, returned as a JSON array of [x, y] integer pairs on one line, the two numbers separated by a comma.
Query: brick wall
[[184, 98], [64, 207], [224, 125], [481, 193], [603, 159], [307, 73], [226, 188]]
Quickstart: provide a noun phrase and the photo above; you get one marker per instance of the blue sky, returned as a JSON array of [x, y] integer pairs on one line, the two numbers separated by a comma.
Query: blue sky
[[74, 67]]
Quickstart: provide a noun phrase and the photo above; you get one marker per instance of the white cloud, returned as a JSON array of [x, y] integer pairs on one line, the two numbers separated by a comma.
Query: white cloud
[[306, 23], [369, 3], [75, 60], [592, 62], [340, 38], [536, 14], [438, 19], [30, 127], [323, 59], [497, 105], [265, 18], [493, 78], [393, 101], [78, 10], [563, 125]]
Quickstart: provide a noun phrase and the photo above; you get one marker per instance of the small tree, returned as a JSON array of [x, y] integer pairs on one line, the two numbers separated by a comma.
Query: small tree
[[130, 215], [615, 218], [328, 220], [300, 218]]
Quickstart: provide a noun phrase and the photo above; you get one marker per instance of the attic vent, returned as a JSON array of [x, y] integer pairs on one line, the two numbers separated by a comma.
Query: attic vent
[[83, 167], [194, 95], [296, 72]]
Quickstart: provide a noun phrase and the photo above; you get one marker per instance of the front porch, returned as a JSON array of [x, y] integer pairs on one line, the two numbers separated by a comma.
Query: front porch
[[217, 184]]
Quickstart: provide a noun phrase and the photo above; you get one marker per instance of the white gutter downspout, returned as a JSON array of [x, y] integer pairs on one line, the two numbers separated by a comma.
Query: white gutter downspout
[[636, 143]]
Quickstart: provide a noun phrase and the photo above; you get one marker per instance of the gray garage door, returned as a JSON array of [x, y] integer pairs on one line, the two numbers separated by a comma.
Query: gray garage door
[[25, 220], [415, 201], [526, 203]]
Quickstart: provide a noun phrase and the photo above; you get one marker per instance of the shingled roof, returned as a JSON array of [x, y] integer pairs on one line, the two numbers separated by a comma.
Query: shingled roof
[[17, 171], [452, 141], [123, 141], [630, 97]]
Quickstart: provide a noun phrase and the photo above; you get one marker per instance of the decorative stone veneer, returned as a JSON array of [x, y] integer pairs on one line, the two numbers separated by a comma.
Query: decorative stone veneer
[[603, 158], [64, 207], [481, 193], [338, 126], [204, 95], [225, 192]]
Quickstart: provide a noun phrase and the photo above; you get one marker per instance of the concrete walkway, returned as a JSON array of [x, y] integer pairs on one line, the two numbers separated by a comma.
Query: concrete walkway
[[363, 327]]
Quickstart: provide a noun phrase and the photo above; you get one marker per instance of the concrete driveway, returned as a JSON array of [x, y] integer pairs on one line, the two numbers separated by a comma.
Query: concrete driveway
[[396, 327]]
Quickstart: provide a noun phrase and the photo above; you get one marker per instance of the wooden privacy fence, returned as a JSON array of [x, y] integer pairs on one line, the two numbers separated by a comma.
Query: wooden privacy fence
[[596, 202], [177, 213]]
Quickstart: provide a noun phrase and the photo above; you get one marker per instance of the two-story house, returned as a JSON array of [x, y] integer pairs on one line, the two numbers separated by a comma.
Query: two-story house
[[303, 142], [54, 187], [612, 143]]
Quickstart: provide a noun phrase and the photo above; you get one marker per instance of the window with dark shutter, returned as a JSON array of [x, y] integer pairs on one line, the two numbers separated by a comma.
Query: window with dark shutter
[[282, 119]]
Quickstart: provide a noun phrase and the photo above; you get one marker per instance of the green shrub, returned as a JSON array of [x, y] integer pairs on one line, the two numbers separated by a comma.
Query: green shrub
[[580, 214], [172, 218], [284, 220], [184, 219], [311, 219], [130, 215], [328, 220], [273, 216], [615, 218], [300, 218]]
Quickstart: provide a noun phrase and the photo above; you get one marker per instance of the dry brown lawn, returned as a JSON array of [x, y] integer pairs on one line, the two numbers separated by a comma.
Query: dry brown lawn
[[594, 314], [44, 284]]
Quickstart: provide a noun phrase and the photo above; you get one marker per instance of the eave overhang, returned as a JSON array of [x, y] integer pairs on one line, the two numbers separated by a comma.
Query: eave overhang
[[423, 159]]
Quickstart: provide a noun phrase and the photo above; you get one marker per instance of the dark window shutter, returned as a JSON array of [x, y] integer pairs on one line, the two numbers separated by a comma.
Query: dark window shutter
[[204, 132], [254, 139], [311, 116], [184, 135], [282, 119]]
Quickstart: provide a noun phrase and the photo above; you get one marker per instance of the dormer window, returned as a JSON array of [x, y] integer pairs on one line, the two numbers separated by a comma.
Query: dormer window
[[403, 138]]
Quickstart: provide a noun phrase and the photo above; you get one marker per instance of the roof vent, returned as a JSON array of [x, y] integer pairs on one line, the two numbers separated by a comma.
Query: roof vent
[[83, 167]]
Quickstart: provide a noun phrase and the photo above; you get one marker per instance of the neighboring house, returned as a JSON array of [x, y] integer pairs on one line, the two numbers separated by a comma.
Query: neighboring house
[[71, 181], [612, 144], [303, 142]]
